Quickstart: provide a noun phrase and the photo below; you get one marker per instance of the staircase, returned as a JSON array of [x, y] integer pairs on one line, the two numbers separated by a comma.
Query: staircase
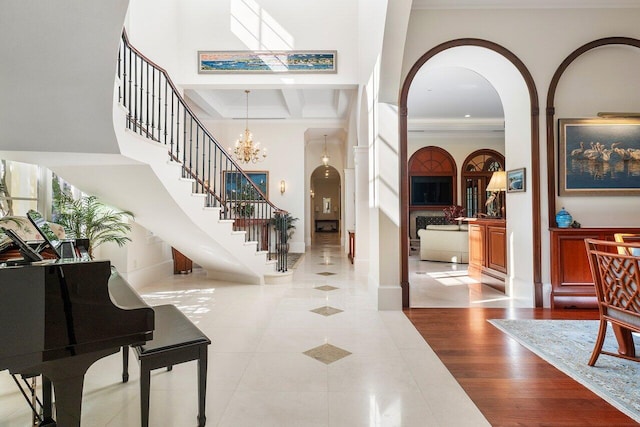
[[144, 151]]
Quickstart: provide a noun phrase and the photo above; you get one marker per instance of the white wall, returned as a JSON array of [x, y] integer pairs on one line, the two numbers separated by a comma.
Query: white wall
[[541, 39], [583, 92], [187, 26], [145, 259], [285, 147]]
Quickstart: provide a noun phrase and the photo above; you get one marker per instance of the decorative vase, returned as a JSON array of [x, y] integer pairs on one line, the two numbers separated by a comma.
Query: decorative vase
[[564, 219]]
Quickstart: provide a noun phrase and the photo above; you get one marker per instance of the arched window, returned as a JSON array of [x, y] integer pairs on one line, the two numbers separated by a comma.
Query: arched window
[[476, 174], [432, 179]]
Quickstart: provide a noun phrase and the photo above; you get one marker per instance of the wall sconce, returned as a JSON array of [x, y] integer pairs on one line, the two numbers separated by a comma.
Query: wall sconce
[[283, 186], [313, 193]]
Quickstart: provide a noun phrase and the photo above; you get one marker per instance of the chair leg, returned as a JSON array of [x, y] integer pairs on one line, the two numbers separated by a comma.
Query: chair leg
[[145, 384], [125, 363], [202, 386], [602, 332]]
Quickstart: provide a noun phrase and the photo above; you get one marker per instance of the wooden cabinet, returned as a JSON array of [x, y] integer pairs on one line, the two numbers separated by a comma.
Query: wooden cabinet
[[181, 264], [488, 251], [571, 281]]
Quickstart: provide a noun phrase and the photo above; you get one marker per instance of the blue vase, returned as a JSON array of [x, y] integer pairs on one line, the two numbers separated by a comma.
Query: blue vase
[[564, 219]]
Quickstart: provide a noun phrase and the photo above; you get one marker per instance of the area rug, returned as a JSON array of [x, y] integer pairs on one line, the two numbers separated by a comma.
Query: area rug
[[567, 345], [293, 259]]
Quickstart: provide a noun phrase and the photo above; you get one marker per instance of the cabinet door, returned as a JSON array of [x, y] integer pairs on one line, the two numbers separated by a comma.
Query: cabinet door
[[572, 264], [497, 248]]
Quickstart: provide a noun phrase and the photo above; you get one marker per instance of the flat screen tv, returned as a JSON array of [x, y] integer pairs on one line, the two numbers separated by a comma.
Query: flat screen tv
[[431, 190]]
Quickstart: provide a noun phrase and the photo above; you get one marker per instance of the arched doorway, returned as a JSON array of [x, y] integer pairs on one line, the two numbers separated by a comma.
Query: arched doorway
[[326, 199], [517, 90]]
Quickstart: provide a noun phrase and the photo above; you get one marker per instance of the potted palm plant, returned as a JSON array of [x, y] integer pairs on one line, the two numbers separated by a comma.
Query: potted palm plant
[[88, 218], [284, 224]]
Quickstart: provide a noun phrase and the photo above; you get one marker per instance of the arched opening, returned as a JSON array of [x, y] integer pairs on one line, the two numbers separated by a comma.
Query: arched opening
[[433, 183], [517, 91], [477, 171], [326, 199]]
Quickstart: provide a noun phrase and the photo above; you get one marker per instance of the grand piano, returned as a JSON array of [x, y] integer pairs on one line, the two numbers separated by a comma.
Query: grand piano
[[57, 317]]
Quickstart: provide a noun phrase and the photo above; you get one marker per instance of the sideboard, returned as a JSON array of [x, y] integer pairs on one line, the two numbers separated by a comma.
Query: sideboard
[[571, 281]]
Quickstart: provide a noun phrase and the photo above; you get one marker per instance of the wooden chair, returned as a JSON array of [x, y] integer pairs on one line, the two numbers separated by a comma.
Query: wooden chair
[[617, 283], [627, 238]]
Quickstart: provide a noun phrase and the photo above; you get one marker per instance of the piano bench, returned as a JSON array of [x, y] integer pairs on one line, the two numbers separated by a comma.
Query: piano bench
[[175, 340]]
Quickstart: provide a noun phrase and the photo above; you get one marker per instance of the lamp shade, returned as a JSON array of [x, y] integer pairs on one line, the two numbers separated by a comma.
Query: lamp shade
[[498, 181]]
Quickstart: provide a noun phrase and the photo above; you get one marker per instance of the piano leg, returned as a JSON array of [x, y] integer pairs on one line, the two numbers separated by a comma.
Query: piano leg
[[47, 415], [67, 376]]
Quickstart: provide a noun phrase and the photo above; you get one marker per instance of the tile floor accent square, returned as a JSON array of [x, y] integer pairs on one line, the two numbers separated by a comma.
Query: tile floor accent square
[[326, 263], [325, 288], [327, 353], [326, 311], [326, 273]]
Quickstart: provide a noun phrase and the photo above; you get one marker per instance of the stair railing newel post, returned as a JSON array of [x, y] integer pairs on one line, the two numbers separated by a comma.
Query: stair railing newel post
[[159, 119]]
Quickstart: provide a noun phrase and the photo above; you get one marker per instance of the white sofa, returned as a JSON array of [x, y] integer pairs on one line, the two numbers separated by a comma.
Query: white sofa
[[448, 243]]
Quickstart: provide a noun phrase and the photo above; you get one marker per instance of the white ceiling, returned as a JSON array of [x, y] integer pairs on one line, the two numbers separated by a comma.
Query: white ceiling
[[288, 103], [438, 97]]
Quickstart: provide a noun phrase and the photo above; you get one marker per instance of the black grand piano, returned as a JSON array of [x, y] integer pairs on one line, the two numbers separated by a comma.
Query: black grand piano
[[59, 316]]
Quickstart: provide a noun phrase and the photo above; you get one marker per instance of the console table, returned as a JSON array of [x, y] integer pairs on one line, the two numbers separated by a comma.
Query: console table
[[327, 224], [352, 245]]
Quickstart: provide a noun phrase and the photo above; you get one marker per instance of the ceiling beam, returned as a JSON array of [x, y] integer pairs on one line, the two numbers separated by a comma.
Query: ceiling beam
[[293, 102]]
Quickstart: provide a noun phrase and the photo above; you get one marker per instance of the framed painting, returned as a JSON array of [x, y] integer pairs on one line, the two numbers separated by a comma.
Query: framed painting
[[599, 157], [237, 186], [516, 181], [289, 61]]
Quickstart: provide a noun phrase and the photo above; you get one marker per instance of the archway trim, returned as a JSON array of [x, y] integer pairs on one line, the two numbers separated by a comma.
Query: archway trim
[[535, 159]]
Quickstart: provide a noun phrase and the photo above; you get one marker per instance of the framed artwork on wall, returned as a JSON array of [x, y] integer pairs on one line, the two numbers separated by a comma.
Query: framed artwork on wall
[[237, 186], [288, 61], [599, 157], [516, 181]]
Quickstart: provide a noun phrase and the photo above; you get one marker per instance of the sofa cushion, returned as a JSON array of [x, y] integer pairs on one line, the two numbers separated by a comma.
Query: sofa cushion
[[448, 244], [448, 227]]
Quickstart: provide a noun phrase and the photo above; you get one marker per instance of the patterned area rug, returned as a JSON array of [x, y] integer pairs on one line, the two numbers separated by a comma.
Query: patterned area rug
[[293, 259], [567, 345]]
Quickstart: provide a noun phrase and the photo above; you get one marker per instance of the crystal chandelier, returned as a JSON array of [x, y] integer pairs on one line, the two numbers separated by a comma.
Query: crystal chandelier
[[325, 157], [246, 151]]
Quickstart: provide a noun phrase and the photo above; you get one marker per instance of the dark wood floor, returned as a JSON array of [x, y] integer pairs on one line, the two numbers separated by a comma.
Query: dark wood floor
[[510, 384]]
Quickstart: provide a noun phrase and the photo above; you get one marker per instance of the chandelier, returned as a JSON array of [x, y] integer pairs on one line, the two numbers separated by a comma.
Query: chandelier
[[246, 151], [325, 157]]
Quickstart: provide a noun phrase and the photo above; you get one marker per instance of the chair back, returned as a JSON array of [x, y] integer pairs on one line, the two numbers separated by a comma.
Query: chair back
[[617, 279], [627, 238]]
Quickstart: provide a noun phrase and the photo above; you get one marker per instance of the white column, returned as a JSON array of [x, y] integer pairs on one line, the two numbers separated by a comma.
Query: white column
[[387, 204]]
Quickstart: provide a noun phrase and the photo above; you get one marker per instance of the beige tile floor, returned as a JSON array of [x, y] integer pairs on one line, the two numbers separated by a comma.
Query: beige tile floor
[[442, 284], [259, 375]]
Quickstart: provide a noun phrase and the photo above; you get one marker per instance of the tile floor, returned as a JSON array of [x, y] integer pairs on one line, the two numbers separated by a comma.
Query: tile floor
[[315, 352]]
